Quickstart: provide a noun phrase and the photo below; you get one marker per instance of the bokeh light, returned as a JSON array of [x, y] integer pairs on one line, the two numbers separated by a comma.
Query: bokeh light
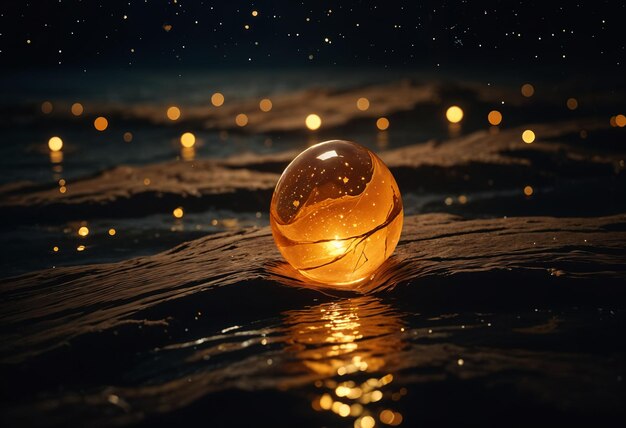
[[46, 107], [265, 104], [365, 422], [620, 120], [187, 139], [362, 104], [55, 144], [241, 119], [527, 90], [528, 136], [217, 99], [128, 137], [255, 13], [112, 232], [528, 190], [382, 123], [572, 103], [173, 113], [101, 123], [77, 109], [454, 114], [83, 231], [178, 212], [494, 117], [313, 122]]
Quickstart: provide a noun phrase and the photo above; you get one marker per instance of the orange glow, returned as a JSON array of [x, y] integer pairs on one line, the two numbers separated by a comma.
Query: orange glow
[[55, 144], [620, 120], [173, 113], [527, 90], [265, 104], [56, 157], [255, 13], [46, 107], [83, 231], [178, 212], [77, 109], [349, 338], [572, 103], [528, 136], [112, 232], [494, 117], [55, 249], [356, 209], [128, 137], [313, 122], [241, 120], [217, 99], [187, 139], [188, 153], [362, 104], [454, 114], [382, 123], [101, 123], [528, 190], [365, 422]]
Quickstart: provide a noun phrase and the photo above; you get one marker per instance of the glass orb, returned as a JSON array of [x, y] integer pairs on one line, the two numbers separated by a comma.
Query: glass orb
[[336, 213]]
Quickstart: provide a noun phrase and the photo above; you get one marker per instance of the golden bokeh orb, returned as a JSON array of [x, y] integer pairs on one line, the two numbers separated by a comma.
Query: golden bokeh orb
[[528, 136], [83, 231], [572, 103], [46, 107], [382, 123], [620, 120], [101, 123], [527, 90], [217, 99], [313, 122], [362, 104], [77, 109], [494, 117], [173, 113], [241, 119], [265, 105], [336, 213], [454, 114], [55, 144], [178, 212], [187, 139]]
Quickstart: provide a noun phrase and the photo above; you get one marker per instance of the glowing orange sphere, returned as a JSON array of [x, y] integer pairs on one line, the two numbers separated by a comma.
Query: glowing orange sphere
[[336, 213]]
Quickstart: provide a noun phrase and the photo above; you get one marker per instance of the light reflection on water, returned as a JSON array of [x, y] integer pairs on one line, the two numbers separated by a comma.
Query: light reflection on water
[[345, 344]]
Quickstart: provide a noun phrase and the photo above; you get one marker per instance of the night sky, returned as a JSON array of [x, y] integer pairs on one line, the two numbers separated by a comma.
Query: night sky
[[84, 35]]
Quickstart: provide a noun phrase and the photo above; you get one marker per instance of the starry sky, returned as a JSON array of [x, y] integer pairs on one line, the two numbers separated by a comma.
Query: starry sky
[[90, 34]]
